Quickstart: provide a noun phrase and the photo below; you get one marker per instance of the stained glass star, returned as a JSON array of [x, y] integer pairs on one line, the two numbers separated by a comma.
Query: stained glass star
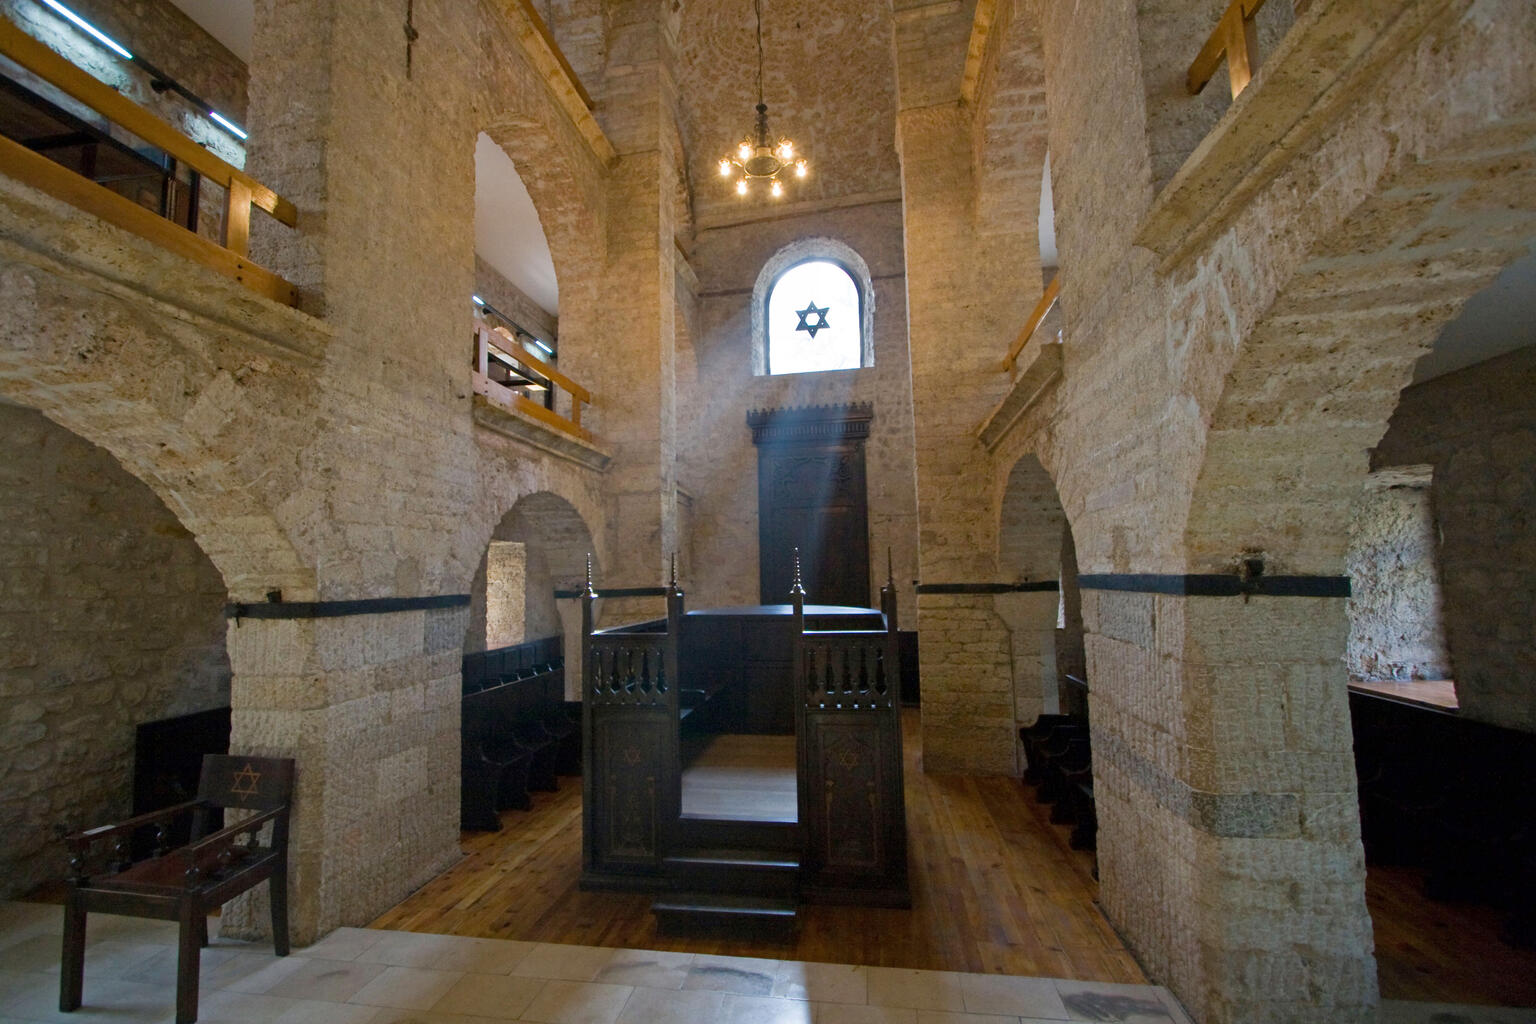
[[812, 327]]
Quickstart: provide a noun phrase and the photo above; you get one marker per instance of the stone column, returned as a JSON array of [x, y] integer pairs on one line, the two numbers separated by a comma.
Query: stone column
[[368, 705], [1229, 851], [639, 418]]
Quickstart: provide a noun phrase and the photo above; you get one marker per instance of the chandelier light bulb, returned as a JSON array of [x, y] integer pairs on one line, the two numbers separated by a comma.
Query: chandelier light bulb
[[725, 168], [777, 190], [741, 187], [786, 150], [800, 168], [744, 150]]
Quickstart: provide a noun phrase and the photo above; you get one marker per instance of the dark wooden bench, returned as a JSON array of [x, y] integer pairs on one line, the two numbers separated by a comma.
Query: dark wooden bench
[[518, 732]]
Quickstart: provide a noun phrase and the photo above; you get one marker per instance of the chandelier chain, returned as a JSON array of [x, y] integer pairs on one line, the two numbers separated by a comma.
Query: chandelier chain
[[757, 7]]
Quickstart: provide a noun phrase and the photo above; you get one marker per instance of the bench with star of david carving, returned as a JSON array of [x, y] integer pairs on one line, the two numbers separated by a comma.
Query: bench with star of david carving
[[187, 883]]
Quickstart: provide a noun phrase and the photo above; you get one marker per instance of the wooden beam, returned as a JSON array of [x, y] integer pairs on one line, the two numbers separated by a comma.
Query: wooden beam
[[976, 49], [568, 91], [1236, 38], [1042, 308], [542, 29], [27, 167], [43, 62]]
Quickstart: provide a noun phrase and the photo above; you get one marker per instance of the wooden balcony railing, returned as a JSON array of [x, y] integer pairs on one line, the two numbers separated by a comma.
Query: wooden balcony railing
[[1042, 309], [1236, 38], [524, 375], [242, 191]]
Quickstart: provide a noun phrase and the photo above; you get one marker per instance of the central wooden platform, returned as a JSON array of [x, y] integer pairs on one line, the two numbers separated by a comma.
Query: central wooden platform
[[740, 778]]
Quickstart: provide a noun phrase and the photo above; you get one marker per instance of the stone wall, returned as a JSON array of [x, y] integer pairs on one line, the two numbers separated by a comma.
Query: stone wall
[[1395, 608], [1477, 428], [511, 300], [110, 616], [718, 464]]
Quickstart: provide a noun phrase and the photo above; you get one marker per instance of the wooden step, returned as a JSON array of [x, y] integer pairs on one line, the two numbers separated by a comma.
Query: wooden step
[[732, 834], [695, 912], [759, 872]]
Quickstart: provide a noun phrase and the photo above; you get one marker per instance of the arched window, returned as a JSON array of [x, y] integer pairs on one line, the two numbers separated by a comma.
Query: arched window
[[812, 310]]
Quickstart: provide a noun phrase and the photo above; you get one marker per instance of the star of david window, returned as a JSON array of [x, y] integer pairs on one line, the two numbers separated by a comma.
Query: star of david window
[[814, 319]]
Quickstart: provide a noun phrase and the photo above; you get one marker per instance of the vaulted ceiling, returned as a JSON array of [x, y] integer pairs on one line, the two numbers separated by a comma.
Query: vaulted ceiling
[[828, 81]]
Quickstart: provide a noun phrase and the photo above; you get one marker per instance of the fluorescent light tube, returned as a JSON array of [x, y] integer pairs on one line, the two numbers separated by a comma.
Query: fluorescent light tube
[[87, 27], [228, 125]]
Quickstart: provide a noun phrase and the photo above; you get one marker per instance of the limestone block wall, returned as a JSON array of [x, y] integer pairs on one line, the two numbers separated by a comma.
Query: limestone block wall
[[1395, 606], [110, 616], [718, 464], [1477, 428], [510, 299]]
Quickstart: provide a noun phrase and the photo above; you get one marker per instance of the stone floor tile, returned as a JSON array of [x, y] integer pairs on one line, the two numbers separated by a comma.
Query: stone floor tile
[[247, 976], [822, 983], [19, 920], [951, 1017], [239, 964], [742, 975], [409, 988], [646, 968], [344, 943], [848, 1013], [577, 1002], [663, 1006], [104, 1000], [1099, 1001], [407, 949], [919, 990], [121, 928], [480, 956], [306, 1011], [1013, 996], [241, 1008], [160, 969], [330, 981], [489, 995], [765, 1010], [567, 963]]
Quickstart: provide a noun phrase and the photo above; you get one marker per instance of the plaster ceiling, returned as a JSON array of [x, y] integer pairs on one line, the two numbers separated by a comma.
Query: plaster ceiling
[[508, 234], [228, 21], [1495, 321], [828, 81]]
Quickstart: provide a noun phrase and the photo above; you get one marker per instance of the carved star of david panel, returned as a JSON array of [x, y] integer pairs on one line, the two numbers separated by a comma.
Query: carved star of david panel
[[245, 782], [812, 326]]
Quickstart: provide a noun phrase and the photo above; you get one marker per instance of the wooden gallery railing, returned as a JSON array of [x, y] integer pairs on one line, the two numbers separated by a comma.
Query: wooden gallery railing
[[1036, 318], [852, 807], [631, 778], [243, 192], [496, 345]]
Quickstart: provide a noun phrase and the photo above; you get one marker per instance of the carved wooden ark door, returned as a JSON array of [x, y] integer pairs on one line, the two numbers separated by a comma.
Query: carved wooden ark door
[[811, 495]]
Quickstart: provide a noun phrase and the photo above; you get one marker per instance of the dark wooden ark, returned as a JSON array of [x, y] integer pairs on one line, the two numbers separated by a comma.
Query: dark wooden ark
[[656, 692]]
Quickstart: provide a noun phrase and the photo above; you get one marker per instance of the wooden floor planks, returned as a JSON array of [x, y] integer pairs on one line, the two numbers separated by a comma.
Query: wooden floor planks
[[995, 887]]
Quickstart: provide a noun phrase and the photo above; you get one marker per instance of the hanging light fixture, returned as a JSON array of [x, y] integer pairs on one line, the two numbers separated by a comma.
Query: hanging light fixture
[[755, 158]]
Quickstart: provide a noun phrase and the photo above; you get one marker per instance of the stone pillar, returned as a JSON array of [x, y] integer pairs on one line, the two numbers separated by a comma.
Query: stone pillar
[[639, 418], [968, 714], [368, 705], [1229, 850]]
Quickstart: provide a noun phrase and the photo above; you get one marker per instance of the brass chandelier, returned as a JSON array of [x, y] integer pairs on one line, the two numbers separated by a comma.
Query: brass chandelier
[[755, 158]]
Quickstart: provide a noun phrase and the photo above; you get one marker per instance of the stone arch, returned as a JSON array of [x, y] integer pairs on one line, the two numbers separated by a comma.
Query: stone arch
[[799, 252], [113, 618], [1035, 546], [554, 543], [175, 398]]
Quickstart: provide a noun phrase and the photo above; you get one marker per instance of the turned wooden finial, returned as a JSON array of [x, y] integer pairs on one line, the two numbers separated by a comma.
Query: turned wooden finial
[[797, 588], [590, 592]]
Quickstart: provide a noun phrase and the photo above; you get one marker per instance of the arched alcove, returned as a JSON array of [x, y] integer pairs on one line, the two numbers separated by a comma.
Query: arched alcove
[[806, 251], [1035, 550], [111, 616]]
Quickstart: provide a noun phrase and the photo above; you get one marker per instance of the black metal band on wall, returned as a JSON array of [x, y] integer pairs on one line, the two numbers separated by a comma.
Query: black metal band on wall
[[337, 609], [618, 592], [1215, 584], [1036, 587]]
